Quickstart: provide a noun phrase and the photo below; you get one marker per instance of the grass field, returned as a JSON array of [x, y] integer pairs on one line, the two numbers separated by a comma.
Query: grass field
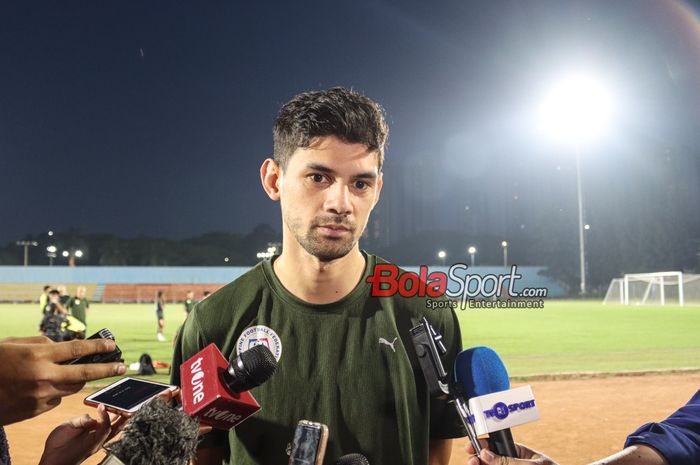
[[565, 336]]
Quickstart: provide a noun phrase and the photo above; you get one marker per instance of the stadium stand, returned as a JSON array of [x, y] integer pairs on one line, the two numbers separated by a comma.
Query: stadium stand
[[29, 292], [147, 292]]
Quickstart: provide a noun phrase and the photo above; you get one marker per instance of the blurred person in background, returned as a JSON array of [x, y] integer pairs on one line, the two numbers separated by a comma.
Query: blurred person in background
[[160, 315], [64, 297], [189, 302], [78, 307], [54, 317], [44, 298]]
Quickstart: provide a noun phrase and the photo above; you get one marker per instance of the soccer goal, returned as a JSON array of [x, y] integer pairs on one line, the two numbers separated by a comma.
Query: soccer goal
[[662, 288]]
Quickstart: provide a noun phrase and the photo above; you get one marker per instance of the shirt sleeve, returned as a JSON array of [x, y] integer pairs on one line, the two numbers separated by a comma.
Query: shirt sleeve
[[191, 340], [444, 420], [677, 438]]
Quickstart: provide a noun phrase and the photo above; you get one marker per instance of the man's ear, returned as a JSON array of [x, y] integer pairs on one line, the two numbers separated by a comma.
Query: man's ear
[[270, 174], [380, 183]]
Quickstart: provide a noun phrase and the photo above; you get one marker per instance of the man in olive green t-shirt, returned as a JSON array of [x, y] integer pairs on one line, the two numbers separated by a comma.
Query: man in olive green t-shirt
[[78, 307], [345, 358]]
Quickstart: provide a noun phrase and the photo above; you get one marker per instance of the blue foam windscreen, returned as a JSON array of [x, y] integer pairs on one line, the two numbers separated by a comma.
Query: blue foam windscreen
[[480, 371]]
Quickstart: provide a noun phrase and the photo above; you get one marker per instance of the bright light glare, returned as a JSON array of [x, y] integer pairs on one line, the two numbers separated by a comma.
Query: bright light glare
[[504, 244], [78, 253], [65, 253], [578, 108], [471, 250], [442, 254], [51, 249]]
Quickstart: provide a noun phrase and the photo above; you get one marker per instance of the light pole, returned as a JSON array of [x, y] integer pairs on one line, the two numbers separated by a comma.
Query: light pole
[[51, 253], [71, 256], [576, 109], [472, 252], [441, 255], [26, 245], [504, 246]]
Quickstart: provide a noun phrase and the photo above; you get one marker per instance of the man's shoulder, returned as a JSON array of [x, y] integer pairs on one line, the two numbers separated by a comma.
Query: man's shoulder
[[239, 292]]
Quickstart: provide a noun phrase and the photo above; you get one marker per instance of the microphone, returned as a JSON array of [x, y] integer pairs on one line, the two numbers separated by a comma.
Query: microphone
[[156, 435], [215, 391], [352, 459], [482, 377]]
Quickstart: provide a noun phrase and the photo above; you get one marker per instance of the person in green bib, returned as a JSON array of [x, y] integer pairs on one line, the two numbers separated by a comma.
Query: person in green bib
[[345, 357], [78, 306]]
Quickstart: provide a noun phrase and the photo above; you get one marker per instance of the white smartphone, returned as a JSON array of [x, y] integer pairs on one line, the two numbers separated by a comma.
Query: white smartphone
[[127, 395]]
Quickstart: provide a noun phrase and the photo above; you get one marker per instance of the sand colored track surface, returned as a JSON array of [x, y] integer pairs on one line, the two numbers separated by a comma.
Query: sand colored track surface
[[581, 419]]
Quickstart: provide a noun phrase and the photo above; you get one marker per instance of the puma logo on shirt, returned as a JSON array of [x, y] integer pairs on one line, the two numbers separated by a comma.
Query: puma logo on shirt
[[390, 344]]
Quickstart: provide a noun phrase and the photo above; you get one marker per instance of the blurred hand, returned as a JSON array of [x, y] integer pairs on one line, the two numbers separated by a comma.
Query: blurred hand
[[32, 381], [525, 454], [77, 439]]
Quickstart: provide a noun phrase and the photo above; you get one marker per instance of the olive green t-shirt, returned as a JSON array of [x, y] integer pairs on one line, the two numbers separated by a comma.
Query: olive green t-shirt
[[333, 368], [77, 307]]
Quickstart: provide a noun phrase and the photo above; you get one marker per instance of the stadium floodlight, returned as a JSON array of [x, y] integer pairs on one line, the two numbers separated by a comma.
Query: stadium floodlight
[[50, 233], [472, 252], [51, 253], [78, 253], [441, 255], [504, 246], [577, 109], [65, 253], [586, 227]]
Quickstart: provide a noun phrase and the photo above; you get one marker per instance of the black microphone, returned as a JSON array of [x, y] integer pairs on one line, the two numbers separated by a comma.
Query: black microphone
[[352, 459], [156, 435], [250, 369]]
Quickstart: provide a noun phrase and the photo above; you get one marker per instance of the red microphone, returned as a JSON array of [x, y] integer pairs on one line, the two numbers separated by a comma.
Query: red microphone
[[215, 391]]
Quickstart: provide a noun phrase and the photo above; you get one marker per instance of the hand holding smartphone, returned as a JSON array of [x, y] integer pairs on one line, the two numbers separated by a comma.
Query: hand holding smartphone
[[128, 395], [114, 356]]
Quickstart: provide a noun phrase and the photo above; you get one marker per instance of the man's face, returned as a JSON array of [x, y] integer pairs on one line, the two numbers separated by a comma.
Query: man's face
[[190, 295], [80, 292], [327, 192], [53, 298]]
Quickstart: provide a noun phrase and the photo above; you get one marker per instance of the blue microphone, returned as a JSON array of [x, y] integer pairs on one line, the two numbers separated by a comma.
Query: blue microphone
[[480, 371]]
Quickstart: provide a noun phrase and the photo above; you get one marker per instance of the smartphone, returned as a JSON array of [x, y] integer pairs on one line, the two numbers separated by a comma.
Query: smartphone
[[309, 445], [127, 395], [114, 356]]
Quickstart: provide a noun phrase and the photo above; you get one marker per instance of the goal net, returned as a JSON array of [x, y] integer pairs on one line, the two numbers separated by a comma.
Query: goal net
[[663, 288]]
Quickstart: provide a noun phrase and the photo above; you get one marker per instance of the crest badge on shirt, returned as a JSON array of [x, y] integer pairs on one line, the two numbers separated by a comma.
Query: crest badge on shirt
[[260, 335]]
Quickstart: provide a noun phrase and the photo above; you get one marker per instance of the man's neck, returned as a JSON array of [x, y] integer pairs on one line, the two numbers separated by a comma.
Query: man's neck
[[317, 282]]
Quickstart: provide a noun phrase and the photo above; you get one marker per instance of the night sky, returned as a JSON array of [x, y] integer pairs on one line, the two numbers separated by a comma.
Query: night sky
[[153, 117]]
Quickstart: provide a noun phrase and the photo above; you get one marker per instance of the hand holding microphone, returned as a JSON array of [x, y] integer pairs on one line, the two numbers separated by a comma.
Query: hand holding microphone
[[526, 456]]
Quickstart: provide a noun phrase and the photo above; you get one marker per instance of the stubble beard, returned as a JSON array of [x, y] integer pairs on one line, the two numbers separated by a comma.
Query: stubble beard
[[324, 248]]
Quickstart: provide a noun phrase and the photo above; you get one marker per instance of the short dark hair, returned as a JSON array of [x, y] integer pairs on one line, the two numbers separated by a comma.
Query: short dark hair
[[340, 112], [54, 292], [46, 287]]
